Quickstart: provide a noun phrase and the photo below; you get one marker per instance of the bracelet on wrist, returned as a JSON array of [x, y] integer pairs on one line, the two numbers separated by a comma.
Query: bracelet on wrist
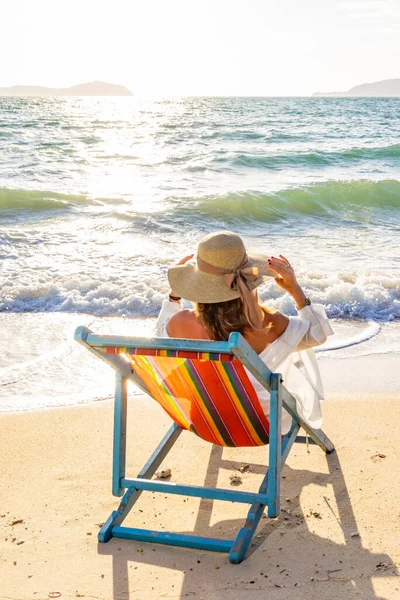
[[307, 302], [174, 298]]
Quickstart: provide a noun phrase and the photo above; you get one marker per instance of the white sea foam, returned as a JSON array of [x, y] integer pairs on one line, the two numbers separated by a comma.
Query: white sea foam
[[374, 296], [365, 334], [365, 297]]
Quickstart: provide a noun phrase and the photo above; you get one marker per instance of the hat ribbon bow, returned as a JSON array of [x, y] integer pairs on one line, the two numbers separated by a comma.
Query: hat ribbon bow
[[239, 279]]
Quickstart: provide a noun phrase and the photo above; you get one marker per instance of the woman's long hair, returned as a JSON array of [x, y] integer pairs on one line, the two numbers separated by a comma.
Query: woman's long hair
[[221, 318]]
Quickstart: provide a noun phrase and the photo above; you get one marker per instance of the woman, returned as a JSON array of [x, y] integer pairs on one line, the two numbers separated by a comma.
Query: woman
[[222, 284]]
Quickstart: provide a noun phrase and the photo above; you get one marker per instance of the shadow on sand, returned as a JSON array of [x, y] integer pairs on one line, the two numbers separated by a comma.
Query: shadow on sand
[[270, 569]]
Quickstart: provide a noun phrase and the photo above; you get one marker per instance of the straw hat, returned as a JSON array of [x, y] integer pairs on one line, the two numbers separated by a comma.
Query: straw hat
[[223, 252]]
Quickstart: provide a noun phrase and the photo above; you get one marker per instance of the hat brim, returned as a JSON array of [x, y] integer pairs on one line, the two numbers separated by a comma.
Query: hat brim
[[194, 285]]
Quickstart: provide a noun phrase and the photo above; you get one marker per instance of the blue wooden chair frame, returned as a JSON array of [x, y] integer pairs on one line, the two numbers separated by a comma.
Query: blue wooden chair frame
[[268, 494]]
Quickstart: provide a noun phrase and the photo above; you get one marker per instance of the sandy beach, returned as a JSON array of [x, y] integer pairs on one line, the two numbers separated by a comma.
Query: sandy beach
[[337, 535]]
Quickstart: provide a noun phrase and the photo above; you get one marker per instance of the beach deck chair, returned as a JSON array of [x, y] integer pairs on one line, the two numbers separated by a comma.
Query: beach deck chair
[[205, 389]]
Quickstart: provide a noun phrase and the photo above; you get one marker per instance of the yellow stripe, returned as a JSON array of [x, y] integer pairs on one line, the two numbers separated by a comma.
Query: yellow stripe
[[234, 398], [148, 374]]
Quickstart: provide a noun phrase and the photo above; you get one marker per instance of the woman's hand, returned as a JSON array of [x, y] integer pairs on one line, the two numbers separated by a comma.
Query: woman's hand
[[286, 278], [285, 275], [184, 260], [181, 262]]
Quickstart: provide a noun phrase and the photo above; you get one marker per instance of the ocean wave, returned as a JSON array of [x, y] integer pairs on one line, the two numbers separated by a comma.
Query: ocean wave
[[331, 198], [375, 296], [15, 199], [358, 201], [313, 158], [39, 200]]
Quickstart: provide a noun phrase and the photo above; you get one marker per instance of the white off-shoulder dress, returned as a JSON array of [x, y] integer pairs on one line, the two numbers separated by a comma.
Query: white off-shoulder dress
[[291, 354]]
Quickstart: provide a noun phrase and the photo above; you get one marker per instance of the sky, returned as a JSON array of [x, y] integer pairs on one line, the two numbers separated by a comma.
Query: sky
[[188, 47]]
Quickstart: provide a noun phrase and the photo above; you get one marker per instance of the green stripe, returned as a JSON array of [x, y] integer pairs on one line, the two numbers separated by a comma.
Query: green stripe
[[218, 422], [245, 403]]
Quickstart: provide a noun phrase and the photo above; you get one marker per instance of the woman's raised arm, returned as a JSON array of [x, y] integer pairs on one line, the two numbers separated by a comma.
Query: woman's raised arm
[[320, 327]]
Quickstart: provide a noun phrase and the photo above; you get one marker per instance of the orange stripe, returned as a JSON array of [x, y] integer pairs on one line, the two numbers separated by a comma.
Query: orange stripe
[[243, 436], [180, 387], [247, 425], [220, 400], [202, 411]]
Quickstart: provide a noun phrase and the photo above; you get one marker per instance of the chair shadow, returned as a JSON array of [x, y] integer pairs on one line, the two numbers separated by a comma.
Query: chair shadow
[[315, 546]]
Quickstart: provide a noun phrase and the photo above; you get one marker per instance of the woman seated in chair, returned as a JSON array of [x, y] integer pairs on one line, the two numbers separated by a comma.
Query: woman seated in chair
[[222, 283]]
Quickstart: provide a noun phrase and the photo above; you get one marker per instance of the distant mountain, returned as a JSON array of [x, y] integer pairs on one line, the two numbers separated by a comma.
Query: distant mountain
[[387, 87], [95, 88]]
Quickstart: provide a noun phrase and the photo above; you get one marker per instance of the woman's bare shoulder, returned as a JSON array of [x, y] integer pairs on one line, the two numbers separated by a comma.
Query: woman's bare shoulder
[[184, 324], [279, 323], [179, 320]]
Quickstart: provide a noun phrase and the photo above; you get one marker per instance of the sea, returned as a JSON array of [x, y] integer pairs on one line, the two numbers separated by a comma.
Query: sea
[[98, 196]]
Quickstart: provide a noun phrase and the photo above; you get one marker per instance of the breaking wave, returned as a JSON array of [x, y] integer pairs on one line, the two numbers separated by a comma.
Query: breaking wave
[[329, 198], [37, 200], [357, 200], [376, 296]]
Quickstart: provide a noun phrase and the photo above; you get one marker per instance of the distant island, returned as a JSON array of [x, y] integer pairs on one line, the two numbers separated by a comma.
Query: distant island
[[95, 88], [387, 87]]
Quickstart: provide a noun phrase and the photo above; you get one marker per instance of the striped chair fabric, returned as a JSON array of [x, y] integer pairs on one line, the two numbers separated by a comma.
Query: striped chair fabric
[[209, 394]]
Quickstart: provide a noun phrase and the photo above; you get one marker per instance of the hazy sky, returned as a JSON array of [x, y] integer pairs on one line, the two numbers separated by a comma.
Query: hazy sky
[[190, 47]]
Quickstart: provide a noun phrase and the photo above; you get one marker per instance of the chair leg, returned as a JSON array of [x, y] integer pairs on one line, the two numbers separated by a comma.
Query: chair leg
[[132, 495], [119, 443], [275, 441], [322, 440], [325, 442], [246, 533], [117, 516]]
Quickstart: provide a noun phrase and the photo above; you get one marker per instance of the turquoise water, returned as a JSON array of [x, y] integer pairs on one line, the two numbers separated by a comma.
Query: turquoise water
[[99, 196]]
